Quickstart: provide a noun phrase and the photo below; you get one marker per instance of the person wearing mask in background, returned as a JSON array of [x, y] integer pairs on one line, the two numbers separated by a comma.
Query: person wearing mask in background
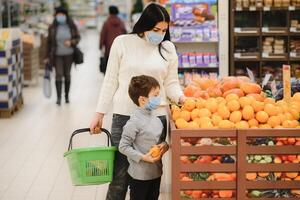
[[112, 28], [146, 51], [63, 36]]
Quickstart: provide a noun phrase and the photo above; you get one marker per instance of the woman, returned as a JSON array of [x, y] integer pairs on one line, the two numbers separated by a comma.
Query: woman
[[62, 39], [147, 51]]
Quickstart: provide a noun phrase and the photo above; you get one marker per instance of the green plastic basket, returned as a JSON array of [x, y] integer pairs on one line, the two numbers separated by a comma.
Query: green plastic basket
[[91, 166]]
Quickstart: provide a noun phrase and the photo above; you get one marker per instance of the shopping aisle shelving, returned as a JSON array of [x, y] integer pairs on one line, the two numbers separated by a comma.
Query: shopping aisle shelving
[[32, 142]]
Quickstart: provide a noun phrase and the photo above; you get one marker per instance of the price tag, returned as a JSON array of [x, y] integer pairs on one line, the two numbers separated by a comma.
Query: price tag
[[250, 74], [292, 8], [267, 8], [238, 9], [286, 70], [237, 30], [293, 29], [293, 54], [237, 55], [265, 55], [273, 88], [252, 8], [265, 29], [266, 79]]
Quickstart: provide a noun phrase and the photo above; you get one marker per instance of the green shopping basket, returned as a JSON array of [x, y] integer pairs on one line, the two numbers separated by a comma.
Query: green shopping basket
[[91, 166]]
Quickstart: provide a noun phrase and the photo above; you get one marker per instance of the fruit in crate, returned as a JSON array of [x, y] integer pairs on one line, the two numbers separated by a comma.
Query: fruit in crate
[[215, 159], [155, 151], [198, 194], [233, 111]]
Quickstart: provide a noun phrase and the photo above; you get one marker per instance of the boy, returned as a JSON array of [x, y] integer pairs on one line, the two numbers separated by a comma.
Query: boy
[[140, 134]]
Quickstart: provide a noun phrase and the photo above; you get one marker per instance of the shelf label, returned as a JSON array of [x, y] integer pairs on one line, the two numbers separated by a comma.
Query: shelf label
[[265, 55], [293, 54], [237, 55], [267, 8], [237, 30], [238, 9], [252, 8], [293, 29], [250, 74], [286, 69], [292, 8], [266, 80], [265, 29]]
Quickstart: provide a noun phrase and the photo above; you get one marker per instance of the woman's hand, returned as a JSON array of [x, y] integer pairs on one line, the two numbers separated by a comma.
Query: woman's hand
[[68, 43], [182, 99], [96, 123]]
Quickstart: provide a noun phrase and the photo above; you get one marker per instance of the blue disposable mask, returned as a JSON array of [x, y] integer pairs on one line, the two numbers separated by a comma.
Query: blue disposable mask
[[153, 103], [154, 37], [61, 19]]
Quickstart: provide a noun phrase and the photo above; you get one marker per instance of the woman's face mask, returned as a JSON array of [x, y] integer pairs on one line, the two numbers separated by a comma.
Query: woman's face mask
[[157, 34], [61, 19]]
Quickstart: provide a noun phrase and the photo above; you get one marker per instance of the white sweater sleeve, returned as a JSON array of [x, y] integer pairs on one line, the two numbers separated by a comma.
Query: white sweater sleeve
[[110, 82], [171, 82]]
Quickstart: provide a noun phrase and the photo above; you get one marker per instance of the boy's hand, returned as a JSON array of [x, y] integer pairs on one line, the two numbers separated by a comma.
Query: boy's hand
[[164, 147], [150, 159]]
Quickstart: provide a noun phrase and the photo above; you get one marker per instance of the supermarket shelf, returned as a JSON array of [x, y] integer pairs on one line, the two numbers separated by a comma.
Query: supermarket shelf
[[265, 8], [198, 68], [199, 185], [206, 150], [246, 32], [271, 150], [208, 167], [272, 185], [274, 57], [196, 42], [266, 31], [288, 167], [246, 56]]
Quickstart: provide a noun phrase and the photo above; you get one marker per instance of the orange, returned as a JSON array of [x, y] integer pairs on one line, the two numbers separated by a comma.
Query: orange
[[223, 112], [192, 125], [211, 104], [195, 113], [295, 105], [264, 126], [233, 105], [295, 123], [254, 127], [235, 116], [287, 124], [226, 124], [294, 112], [270, 109], [245, 101], [279, 109], [197, 120], [204, 120], [296, 97], [220, 100], [200, 103], [289, 116], [257, 106], [253, 122], [262, 116], [269, 100], [207, 125], [204, 112], [274, 121], [232, 97], [248, 112], [176, 114], [181, 123], [216, 119], [186, 115], [242, 125], [189, 104]]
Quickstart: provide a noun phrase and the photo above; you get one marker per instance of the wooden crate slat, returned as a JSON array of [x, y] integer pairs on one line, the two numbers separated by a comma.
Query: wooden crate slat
[[208, 168], [211, 199], [208, 185], [207, 133], [271, 132], [208, 150], [265, 185], [288, 167], [273, 150]]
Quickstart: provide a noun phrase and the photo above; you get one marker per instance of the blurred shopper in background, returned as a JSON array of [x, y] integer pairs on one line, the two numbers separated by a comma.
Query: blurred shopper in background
[[63, 37], [112, 28], [146, 51]]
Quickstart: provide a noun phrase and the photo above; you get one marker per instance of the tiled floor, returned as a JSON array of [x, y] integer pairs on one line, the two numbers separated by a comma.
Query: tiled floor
[[32, 143]]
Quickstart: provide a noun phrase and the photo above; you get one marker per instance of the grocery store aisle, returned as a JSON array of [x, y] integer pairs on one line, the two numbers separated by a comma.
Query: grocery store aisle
[[32, 143]]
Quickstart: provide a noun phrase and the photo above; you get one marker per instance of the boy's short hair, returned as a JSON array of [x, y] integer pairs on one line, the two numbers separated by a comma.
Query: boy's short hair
[[141, 86], [113, 10]]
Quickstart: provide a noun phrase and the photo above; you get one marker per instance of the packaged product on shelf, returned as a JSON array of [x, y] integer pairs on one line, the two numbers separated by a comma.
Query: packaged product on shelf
[[197, 59]]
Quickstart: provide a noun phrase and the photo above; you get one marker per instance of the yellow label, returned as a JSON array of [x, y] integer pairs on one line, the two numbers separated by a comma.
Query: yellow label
[[4, 35], [286, 71]]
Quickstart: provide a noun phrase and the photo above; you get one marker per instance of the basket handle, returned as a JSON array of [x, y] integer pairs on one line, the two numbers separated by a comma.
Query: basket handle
[[84, 130]]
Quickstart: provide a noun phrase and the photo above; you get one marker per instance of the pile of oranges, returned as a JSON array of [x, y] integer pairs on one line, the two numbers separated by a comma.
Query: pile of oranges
[[237, 112]]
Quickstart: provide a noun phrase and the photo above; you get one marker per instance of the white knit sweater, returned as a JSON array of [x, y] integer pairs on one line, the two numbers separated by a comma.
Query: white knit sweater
[[132, 56]]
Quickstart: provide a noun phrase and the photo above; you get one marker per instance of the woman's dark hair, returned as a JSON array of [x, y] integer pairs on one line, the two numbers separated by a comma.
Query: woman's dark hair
[[113, 10], [141, 86], [153, 14]]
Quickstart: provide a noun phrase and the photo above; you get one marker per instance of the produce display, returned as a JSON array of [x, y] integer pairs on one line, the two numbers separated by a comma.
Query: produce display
[[273, 193], [207, 159], [208, 141], [195, 194]]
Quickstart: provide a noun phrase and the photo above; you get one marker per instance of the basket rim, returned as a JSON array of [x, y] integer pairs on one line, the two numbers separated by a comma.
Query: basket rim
[[90, 149]]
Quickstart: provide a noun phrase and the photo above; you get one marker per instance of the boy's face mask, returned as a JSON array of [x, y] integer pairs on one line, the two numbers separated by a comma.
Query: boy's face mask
[[153, 103]]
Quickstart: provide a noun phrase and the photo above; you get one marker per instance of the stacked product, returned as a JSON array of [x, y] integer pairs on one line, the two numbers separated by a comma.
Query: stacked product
[[295, 46], [295, 24], [11, 70], [198, 59], [273, 45], [31, 58], [266, 3]]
